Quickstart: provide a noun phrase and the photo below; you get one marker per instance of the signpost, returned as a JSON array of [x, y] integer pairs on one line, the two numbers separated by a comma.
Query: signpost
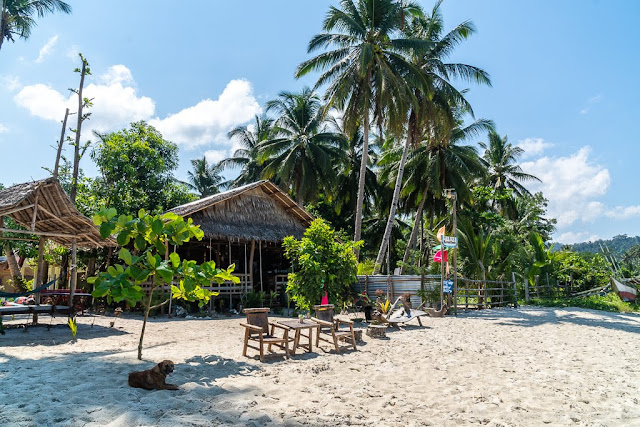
[[450, 241], [447, 286]]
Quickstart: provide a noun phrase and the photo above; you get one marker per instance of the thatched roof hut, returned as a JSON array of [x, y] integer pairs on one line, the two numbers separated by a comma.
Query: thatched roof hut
[[43, 208], [257, 211]]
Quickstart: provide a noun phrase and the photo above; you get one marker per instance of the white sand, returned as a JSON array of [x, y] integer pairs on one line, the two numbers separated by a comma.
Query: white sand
[[531, 366]]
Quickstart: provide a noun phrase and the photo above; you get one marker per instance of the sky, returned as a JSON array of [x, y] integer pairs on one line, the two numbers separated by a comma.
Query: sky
[[564, 76]]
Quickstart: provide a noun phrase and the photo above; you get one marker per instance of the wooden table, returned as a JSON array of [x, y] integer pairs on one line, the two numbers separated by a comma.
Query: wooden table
[[299, 327]]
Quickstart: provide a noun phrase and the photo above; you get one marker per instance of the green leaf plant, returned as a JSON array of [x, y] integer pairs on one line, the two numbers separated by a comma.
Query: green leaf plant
[[146, 260]]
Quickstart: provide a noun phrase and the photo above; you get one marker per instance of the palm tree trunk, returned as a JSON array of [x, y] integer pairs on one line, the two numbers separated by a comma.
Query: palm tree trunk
[[361, 179], [414, 231], [2, 21], [394, 206]]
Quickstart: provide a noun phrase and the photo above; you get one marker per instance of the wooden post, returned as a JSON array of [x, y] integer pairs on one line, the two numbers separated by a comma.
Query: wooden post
[[39, 274], [74, 272], [251, 253], [261, 286], [228, 264], [526, 289], [455, 258], [515, 290], [246, 270]]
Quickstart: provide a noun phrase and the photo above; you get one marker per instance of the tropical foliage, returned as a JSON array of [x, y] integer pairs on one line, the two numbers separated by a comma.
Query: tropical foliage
[[148, 236], [321, 263]]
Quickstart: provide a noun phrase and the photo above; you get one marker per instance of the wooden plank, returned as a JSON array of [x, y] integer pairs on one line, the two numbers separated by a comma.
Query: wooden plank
[[16, 209], [40, 233], [35, 211]]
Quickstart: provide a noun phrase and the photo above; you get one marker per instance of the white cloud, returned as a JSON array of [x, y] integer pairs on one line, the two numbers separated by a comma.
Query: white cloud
[[208, 121], [570, 237], [621, 212], [47, 48], [3, 128], [214, 156], [114, 105], [10, 83], [117, 74], [572, 184], [533, 146], [42, 101]]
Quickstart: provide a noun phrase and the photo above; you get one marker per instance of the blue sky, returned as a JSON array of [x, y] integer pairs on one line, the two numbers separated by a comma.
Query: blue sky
[[564, 86]]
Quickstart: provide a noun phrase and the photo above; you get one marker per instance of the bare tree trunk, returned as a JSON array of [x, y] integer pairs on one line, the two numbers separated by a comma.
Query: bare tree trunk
[[481, 287], [76, 156], [414, 231], [64, 126], [394, 205], [361, 178], [14, 268], [147, 308]]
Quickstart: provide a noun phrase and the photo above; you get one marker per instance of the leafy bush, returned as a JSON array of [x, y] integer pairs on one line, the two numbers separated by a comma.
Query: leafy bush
[[320, 263], [608, 302]]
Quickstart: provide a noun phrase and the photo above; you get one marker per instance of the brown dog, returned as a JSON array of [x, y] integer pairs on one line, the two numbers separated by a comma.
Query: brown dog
[[153, 378]]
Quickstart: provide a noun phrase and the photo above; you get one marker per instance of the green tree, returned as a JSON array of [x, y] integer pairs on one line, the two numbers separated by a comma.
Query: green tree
[[150, 236], [442, 161], [365, 68], [436, 102], [302, 151], [136, 167], [205, 179], [247, 157], [320, 263], [17, 17], [500, 159]]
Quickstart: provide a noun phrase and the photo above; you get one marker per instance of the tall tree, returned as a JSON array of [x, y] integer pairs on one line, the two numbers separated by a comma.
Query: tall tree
[[82, 104], [247, 156], [205, 179], [500, 158], [442, 161], [435, 100], [136, 166], [364, 68], [17, 16], [302, 150]]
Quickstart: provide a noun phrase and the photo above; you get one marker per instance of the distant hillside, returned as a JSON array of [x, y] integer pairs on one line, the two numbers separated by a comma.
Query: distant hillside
[[618, 245]]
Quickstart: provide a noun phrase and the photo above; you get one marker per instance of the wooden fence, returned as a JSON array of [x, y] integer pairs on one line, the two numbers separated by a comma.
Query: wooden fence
[[471, 293], [486, 293]]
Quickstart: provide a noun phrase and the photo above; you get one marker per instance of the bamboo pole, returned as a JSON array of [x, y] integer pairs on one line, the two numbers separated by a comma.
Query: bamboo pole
[[261, 285], [39, 274], [515, 290], [74, 272]]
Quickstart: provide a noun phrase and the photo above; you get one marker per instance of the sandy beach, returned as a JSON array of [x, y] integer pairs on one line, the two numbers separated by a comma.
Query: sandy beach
[[501, 367]]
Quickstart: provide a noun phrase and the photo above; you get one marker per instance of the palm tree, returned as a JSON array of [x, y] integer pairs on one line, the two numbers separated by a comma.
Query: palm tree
[[205, 179], [442, 162], [477, 248], [246, 157], [365, 69], [437, 99], [348, 169], [302, 151], [17, 16], [500, 159]]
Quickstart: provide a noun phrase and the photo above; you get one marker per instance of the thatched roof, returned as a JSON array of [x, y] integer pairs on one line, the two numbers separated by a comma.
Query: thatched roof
[[45, 209], [257, 211]]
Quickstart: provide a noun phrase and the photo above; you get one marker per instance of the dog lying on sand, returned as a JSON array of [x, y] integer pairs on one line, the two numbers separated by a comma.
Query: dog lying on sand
[[153, 378]]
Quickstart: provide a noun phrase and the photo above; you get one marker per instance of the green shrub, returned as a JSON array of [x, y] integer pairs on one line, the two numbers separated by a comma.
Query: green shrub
[[320, 263], [608, 302]]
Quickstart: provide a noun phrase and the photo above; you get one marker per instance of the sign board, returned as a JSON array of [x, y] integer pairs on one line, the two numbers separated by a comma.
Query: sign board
[[449, 241], [447, 286]]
